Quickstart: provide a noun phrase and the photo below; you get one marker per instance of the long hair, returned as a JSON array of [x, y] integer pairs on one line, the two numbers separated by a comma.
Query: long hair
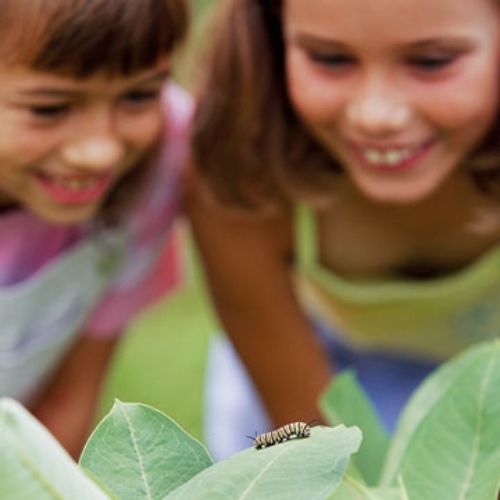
[[248, 142], [80, 38]]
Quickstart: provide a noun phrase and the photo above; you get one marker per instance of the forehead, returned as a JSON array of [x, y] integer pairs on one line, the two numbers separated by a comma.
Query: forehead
[[394, 19]]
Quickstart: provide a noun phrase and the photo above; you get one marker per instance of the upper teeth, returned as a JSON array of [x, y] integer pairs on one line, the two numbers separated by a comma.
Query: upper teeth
[[388, 157]]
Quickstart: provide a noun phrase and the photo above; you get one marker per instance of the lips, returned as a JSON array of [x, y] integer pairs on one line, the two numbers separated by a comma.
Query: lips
[[391, 157], [74, 189]]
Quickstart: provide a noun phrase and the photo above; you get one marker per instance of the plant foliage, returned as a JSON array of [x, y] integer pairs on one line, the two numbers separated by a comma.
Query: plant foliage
[[446, 446]]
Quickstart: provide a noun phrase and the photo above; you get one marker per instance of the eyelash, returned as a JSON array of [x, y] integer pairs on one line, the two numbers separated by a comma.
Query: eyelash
[[431, 64], [142, 96], [54, 111], [49, 111], [425, 64], [331, 60]]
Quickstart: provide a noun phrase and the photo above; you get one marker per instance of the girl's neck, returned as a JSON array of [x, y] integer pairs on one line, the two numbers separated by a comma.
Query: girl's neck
[[436, 236], [457, 200]]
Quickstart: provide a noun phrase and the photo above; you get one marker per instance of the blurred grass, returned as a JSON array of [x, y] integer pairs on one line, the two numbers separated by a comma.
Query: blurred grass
[[161, 360]]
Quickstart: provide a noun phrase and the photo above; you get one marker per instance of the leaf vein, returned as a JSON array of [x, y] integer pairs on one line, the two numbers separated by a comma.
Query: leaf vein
[[139, 456], [475, 454]]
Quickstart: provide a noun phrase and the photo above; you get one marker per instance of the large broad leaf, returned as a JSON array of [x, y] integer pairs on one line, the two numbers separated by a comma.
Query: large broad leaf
[[447, 445], [353, 487], [298, 469], [344, 401], [138, 452], [351, 490], [33, 465]]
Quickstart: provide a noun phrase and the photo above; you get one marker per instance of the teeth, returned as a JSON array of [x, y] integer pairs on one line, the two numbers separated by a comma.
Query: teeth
[[390, 157]]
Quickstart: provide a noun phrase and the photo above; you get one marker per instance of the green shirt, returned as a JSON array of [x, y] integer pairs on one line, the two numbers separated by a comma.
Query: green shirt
[[430, 320]]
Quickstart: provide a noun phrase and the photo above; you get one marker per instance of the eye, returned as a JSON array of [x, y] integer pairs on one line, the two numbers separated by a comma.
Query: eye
[[431, 63], [331, 60], [49, 111], [141, 97]]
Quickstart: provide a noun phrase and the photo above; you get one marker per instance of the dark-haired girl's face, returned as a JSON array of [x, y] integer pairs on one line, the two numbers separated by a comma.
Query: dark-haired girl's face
[[64, 142], [398, 91]]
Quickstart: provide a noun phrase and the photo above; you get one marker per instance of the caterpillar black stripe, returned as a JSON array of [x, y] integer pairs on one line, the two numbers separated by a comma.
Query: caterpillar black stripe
[[294, 430]]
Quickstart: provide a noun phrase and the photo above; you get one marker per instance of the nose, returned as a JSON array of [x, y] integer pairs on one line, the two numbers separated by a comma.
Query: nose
[[376, 111], [94, 142]]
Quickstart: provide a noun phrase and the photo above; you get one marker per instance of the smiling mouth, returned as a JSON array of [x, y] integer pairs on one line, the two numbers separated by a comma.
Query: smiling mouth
[[74, 190], [391, 158]]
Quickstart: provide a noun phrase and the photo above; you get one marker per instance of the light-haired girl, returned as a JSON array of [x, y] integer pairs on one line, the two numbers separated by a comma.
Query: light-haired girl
[[92, 147], [351, 149]]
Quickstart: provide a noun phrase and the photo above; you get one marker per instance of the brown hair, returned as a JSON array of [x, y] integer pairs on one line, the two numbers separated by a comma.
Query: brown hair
[[80, 38], [248, 142]]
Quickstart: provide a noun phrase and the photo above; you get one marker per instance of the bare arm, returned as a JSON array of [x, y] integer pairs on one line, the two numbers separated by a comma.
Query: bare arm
[[247, 263], [67, 407]]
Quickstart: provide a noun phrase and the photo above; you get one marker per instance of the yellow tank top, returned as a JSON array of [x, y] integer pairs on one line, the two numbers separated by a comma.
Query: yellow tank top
[[429, 320]]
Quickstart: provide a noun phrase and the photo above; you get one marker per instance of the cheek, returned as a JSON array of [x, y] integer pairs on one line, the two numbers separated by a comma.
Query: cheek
[[316, 99], [22, 142], [484, 108], [27, 147], [469, 106], [144, 130]]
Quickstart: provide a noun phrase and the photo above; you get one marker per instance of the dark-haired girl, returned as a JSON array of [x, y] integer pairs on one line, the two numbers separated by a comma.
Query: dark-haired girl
[[92, 146]]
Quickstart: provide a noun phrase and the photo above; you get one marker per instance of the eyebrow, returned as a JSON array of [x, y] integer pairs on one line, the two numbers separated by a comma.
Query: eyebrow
[[55, 92], [451, 41], [331, 43], [303, 38], [48, 92]]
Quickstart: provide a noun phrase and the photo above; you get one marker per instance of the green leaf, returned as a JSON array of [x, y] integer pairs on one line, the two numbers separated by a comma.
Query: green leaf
[[298, 469], [447, 445], [350, 489], [33, 465], [138, 452], [344, 401], [353, 488]]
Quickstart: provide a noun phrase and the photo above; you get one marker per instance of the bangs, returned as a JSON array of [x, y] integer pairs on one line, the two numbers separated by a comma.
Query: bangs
[[83, 37]]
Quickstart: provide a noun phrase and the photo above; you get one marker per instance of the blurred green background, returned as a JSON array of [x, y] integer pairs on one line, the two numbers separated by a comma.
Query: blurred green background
[[161, 360]]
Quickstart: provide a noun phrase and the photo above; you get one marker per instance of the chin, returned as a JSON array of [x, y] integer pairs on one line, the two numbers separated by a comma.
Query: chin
[[68, 217], [396, 195]]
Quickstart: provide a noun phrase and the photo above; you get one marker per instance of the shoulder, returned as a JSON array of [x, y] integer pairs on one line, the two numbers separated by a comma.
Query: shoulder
[[213, 220]]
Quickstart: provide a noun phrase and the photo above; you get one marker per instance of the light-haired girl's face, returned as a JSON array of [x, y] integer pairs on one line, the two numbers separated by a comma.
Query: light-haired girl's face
[[65, 142], [399, 91]]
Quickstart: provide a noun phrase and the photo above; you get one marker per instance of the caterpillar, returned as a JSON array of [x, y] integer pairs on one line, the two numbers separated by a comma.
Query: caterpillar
[[294, 430]]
